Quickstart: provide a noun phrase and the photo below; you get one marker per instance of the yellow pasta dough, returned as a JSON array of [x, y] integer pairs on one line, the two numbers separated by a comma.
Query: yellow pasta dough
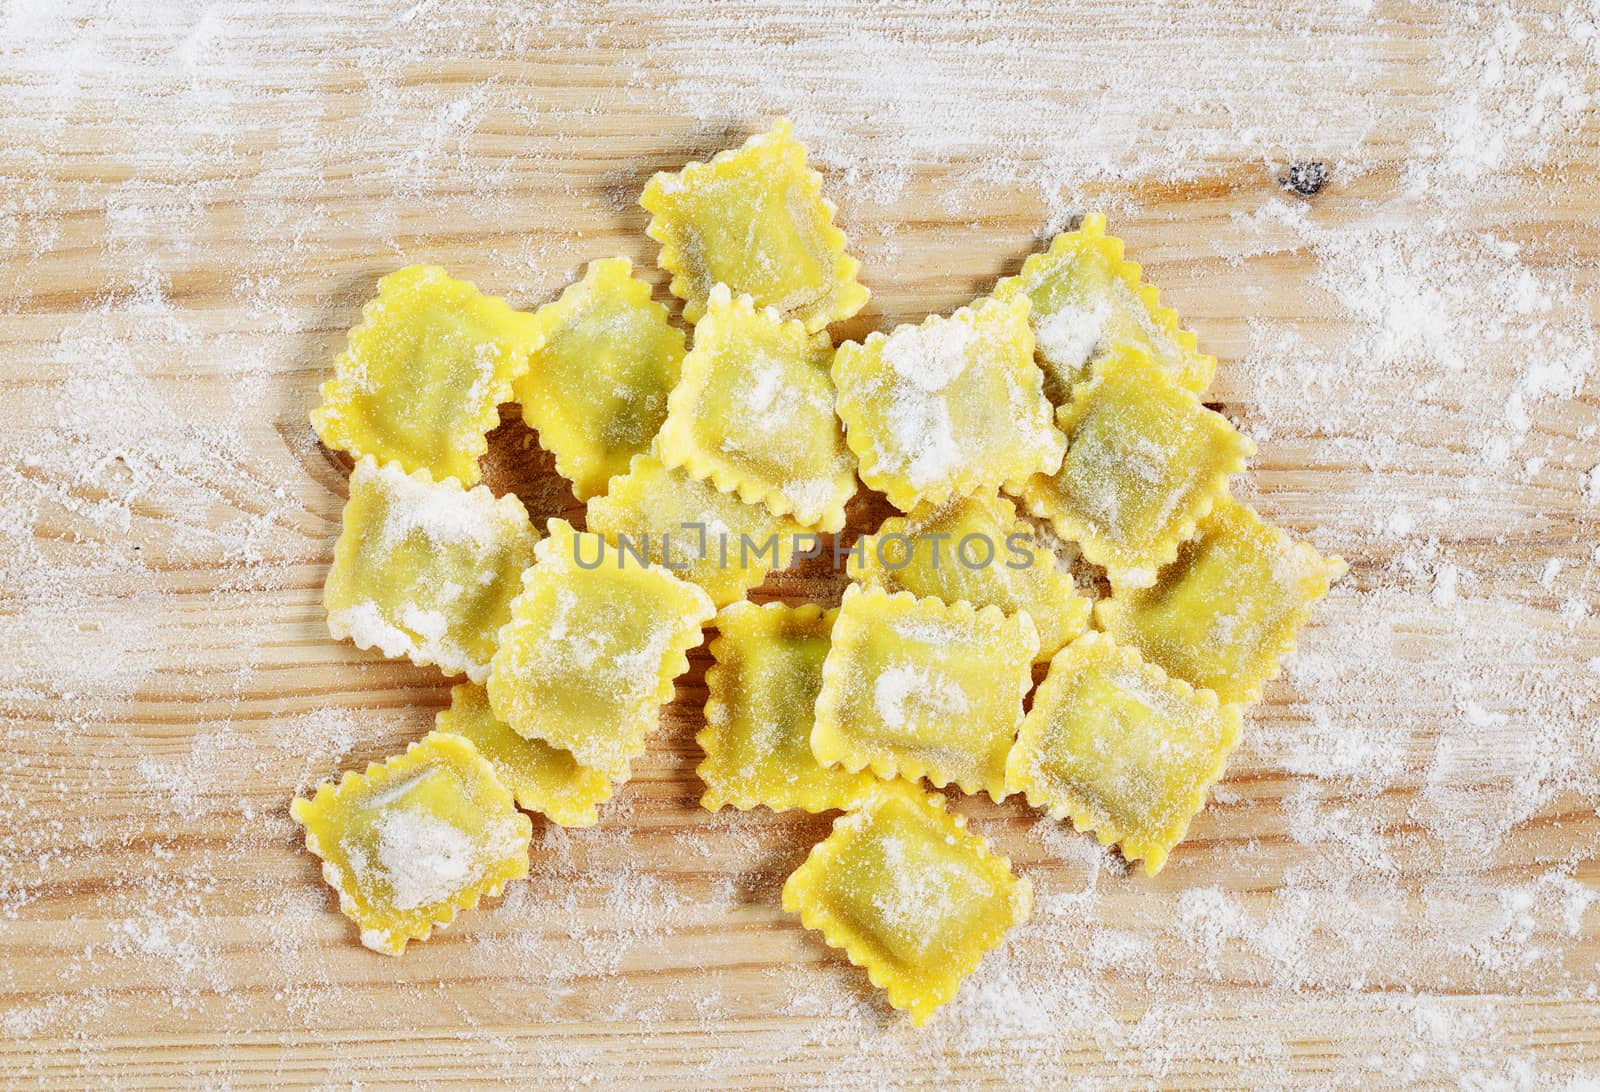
[[411, 841], [754, 218], [909, 894], [597, 388], [594, 643], [1144, 461], [542, 778], [422, 375], [714, 539], [948, 408], [1087, 299], [975, 549], [762, 695], [753, 414], [1225, 613], [426, 570], [1121, 749], [923, 688]]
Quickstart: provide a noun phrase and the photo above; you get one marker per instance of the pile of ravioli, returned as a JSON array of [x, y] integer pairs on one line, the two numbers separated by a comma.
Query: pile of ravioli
[[1068, 391]]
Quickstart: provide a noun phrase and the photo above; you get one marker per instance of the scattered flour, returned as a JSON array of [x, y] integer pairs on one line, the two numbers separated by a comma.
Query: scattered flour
[[423, 860], [904, 697], [1066, 337], [926, 359]]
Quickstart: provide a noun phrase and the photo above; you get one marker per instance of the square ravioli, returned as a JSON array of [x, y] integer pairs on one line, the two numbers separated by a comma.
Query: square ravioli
[[594, 643], [923, 688], [1087, 299], [760, 707], [426, 570], [909, 894], [413, 840], [975, 549], [754, 219], [753, 414], [1145, 460], [706, 536], [947, 408], [1225, 613], [596, 390], [423, 374], [1121, 749], [542, 778]]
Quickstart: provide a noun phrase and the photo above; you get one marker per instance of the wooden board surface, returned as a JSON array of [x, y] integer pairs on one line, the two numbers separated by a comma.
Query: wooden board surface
[[1394, 884]]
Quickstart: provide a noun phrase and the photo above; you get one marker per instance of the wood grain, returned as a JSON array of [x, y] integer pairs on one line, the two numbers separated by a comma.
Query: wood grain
[[194, 214]]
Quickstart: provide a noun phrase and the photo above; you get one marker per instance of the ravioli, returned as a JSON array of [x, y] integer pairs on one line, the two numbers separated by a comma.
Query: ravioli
[[923, 688], [1121, 749], [594, 643], [948, 408], [1226, 612], [760, 708], [1145, 460], [975, 550], [708, 537], [699, 471], [754, 219], [1087, 300], [421, 376], [596, 390], [415, 839], [542, 778], [909, 894], [753, 414], [426, 570]]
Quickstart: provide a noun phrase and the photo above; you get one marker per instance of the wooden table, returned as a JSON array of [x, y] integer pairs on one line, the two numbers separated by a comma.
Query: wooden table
[[1393, 885]]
